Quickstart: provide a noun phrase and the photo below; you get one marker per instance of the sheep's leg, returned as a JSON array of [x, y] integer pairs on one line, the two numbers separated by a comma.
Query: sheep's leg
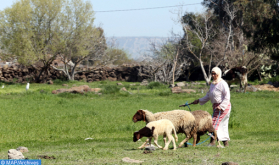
[[185, 140], [165, 139], [194, 140], [173, 143], [150, 138], [155, 142], [219, 145], [170, 138], [213, 131], [143, 145], [198, 139]]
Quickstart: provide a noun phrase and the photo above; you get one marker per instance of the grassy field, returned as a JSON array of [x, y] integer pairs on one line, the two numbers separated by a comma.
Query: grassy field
[[57, 125]]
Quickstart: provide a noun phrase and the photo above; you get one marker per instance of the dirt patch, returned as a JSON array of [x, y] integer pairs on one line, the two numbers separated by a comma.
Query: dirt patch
[[81, 89], [266, 87]]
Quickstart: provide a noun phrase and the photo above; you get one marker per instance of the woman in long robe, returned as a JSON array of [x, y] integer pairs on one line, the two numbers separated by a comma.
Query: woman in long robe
[[219, 95]]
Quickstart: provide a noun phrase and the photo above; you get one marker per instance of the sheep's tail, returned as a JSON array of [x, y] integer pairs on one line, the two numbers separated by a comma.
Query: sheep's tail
[[175, 136]]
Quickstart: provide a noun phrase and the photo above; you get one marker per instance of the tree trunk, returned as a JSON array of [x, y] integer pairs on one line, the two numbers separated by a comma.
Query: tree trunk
[[207, 78], [37, 79], [259, 73]]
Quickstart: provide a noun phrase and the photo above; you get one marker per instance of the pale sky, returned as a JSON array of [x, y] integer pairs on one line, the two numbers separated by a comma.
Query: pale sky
[[136, 23]]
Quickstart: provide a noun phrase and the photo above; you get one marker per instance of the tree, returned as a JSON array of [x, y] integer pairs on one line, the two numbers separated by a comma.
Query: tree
[[77, 39], [237, 16], [43, 30], [263, 26], [200, 27], [117, 56], [166, 64], [114, 55], [27, 30]]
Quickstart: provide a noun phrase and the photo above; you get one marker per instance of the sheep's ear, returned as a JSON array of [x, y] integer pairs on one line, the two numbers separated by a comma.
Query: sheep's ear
[[138, 136], [143, 115], [153, 128]]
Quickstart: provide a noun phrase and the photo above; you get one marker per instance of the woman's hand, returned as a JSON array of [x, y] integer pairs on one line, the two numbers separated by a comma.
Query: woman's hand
[[218, 108], [196, 101]]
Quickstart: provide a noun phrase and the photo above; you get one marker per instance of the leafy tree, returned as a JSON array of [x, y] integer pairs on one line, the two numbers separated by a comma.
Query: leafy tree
[[27, 29], [77, 38], [118, 56], [235, 17], [263, 26], [44, 30]]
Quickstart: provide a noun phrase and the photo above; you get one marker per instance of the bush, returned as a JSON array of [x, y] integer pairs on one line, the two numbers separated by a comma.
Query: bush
[[274, 79]]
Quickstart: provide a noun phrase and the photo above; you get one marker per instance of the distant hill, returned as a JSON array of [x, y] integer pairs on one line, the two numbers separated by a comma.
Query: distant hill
[[137, 46]]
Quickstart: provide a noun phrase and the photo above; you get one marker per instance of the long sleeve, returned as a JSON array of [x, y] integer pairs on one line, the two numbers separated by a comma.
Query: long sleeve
[[225, 96], [204, 99]]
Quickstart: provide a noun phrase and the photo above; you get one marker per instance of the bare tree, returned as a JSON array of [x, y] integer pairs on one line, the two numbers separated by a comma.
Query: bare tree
[[201, 27], [168, 65]]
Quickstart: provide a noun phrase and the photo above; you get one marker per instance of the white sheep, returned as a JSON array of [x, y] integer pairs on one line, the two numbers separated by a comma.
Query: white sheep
[[154, 129], [183, 121]]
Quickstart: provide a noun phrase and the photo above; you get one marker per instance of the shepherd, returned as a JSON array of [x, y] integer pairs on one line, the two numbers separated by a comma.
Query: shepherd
[[219, 95]]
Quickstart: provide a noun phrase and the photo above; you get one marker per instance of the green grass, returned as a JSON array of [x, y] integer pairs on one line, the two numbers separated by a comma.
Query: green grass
[[57, 125]]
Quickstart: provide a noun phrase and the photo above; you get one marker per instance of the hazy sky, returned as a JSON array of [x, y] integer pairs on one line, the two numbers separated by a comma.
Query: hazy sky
[[136, 23]]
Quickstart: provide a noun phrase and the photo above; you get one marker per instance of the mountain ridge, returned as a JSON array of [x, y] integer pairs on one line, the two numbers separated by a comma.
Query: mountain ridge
[[136, 46]]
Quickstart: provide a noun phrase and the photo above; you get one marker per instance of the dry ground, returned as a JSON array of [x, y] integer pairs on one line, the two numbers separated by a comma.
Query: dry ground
[[266, 87]]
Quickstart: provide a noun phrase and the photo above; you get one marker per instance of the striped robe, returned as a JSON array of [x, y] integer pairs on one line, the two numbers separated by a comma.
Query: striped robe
[[219, 95]]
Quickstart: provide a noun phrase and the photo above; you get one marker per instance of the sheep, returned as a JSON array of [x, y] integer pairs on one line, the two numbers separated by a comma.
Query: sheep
[[203, 124], [154, 129], [183, 121]]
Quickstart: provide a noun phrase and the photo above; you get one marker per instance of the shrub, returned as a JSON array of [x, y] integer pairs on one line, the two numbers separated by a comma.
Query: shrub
[[274, 79]]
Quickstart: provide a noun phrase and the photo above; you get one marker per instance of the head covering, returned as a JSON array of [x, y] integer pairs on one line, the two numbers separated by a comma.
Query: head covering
[[218, 71]]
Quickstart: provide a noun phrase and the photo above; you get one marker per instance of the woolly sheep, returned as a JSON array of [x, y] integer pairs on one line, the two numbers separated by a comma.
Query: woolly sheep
[[183, 121], [203, 124], [154, 129]]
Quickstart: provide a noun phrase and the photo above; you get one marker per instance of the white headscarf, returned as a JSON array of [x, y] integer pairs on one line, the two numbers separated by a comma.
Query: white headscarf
[[219, 73]]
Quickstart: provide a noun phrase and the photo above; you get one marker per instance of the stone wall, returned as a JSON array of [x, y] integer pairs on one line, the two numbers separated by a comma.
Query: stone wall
[[21, 74]]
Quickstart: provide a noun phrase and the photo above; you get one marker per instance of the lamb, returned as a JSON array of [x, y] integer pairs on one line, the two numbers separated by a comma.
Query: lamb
[[154, 129], [183, 121]]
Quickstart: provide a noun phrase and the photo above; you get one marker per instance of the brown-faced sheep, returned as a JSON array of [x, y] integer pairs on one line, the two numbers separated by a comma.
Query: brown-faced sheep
[[203, 124], [154, 129], [183, 121]]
